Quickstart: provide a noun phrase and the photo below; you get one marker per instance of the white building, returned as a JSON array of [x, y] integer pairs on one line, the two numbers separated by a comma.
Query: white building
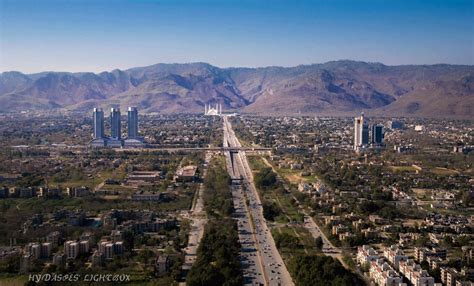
[[361, 133], [71, 249], [384, 275], [366, 254], [415, 274], [213, 111], [394, 255]]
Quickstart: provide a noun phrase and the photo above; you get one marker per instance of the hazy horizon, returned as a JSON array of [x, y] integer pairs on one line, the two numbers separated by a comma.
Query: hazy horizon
[[96, 36], [226, 67]]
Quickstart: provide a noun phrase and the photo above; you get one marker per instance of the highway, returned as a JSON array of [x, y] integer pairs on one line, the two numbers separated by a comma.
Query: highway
[[267, 264]]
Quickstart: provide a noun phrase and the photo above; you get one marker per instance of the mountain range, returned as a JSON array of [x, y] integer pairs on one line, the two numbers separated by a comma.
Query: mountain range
[[333, 88]]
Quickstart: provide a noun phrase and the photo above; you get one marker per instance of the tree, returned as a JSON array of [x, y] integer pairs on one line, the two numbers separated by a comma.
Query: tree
[[265, 178], [319, 243], [317, 270], [270, 210], [128, 240]]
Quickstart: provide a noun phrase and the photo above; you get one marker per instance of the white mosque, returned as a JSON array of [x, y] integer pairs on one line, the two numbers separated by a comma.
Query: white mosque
[[216, 110], [213, 111]]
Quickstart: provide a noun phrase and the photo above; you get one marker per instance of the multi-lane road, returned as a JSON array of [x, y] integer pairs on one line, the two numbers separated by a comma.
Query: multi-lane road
[[261, 261]]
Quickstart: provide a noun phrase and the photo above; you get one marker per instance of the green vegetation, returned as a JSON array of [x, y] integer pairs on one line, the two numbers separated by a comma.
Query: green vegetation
[[316, 270], [318, 242], [218, 256], [265, 178], [271, 210], [217, 260], [286, 240], [217, 197]]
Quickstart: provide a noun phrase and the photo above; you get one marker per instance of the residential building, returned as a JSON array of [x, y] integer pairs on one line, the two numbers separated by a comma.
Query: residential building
[[71, 249], [394, 255], [384, 275]]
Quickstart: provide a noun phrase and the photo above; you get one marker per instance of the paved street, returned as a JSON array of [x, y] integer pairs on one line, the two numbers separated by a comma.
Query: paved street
[[198, 221], [274, 269]]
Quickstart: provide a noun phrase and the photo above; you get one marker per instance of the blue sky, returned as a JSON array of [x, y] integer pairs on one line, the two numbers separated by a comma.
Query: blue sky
[[98, 35]]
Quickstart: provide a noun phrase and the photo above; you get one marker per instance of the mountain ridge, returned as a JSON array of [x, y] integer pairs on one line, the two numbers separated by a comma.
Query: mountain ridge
[[342, 87]]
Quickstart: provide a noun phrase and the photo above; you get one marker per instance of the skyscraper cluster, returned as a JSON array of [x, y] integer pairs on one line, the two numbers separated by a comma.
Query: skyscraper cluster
[[361, 134], [115, 139]]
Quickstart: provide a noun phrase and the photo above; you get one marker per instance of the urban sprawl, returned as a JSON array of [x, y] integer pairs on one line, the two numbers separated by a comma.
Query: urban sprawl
[[253, 200]]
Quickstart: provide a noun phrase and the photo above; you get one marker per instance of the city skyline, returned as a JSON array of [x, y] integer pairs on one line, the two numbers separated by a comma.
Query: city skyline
[[94, 36]]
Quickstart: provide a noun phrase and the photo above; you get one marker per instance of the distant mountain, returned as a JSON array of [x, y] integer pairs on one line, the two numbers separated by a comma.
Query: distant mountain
[[333, 88]]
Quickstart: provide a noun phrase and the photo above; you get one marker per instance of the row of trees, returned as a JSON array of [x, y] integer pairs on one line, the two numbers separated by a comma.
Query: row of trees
[[217, 196], [217, 260], [319, 270], [217, 256]]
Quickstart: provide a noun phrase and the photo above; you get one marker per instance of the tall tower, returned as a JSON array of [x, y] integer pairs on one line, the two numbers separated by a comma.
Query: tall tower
[[365, 134], [377, 134], [361, 132], [132, 122], [116, 133], [98, 115]]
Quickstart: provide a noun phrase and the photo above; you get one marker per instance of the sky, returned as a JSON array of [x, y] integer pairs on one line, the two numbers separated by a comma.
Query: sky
[[100, 35]]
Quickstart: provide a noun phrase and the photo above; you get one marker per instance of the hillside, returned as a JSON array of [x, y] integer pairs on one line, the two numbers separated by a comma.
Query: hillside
[[333, 88]]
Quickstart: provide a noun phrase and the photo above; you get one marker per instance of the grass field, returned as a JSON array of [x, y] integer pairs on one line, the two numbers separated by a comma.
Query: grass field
[[402, 168], [6, 280], [444, 171]]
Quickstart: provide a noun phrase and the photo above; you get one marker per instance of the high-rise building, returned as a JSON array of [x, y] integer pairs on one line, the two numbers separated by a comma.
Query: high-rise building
[[115, 124], [361, 132], [71, 249], [98, 115], [377, 134], [132, 122]]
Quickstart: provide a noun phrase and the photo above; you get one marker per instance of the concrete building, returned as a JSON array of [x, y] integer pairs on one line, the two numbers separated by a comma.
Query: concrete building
[[71, 249], [108, 250], [34, 250], [422, 253], [84, 246], [54, 237], [395, 124], [98, 115], [118, 248], [377, 134], [37, 250], [59, 259], [186, 174], [394, 255], [361, 133], [366, 254], [384, 275], [46, 248], [132, 123], [415, 274], [97, 258], [115, 124]]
